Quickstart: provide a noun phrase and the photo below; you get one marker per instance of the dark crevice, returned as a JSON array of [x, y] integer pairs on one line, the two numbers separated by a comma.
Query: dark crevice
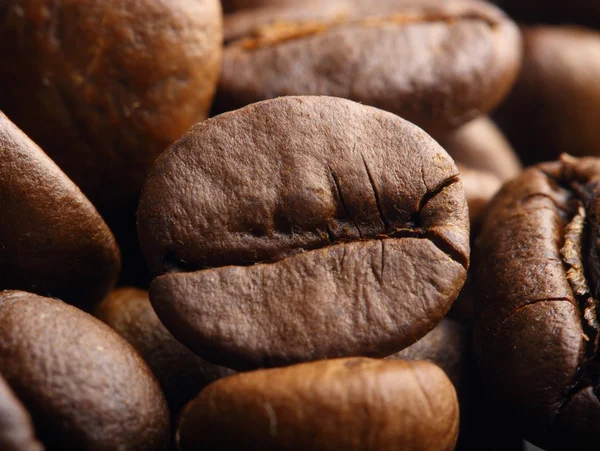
[[584, 195], [582, 265], [411, 229], [338, 191], [589, 371], [173, 264], [375, 194], [441, 242], [415, 221], [406, 232], [330, 235], [378, 272], [590, 197], [448, 249], [430, 194], [279, 32]]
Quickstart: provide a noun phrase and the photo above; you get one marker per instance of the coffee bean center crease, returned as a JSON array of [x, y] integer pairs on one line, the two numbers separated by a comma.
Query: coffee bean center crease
[[282, 31]]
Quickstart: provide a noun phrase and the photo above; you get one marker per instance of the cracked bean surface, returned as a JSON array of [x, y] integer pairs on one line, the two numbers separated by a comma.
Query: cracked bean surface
[[538, 278], [303, 228], [436, 63]]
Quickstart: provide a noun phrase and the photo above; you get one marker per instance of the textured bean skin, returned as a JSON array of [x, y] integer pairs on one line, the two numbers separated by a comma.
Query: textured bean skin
[[85, 387], [303, 228], [380, 405], [435, 63], [52, 239], [105, 86], [537, 278]]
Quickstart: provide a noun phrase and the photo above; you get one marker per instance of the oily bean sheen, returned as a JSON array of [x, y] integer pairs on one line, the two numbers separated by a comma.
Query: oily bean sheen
[[437, 63], [16, 429], [555, 104], [85, 387], [538, 281], [52, 240], [303, 228], [104, 86], [181, 373], [345, 404]]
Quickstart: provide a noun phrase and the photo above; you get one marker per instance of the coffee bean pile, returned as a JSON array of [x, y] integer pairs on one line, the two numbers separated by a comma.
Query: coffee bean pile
[[299, 225]]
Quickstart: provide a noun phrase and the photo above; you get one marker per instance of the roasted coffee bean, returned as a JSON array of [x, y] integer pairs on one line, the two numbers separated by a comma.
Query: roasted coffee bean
[[180, 372], [584, 12], [555, 105], [303, 228], [52, 240], [349, 404], [84, 386], [436, 63], [105, 86], [538, 279], [445, 345], [16, 429]]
